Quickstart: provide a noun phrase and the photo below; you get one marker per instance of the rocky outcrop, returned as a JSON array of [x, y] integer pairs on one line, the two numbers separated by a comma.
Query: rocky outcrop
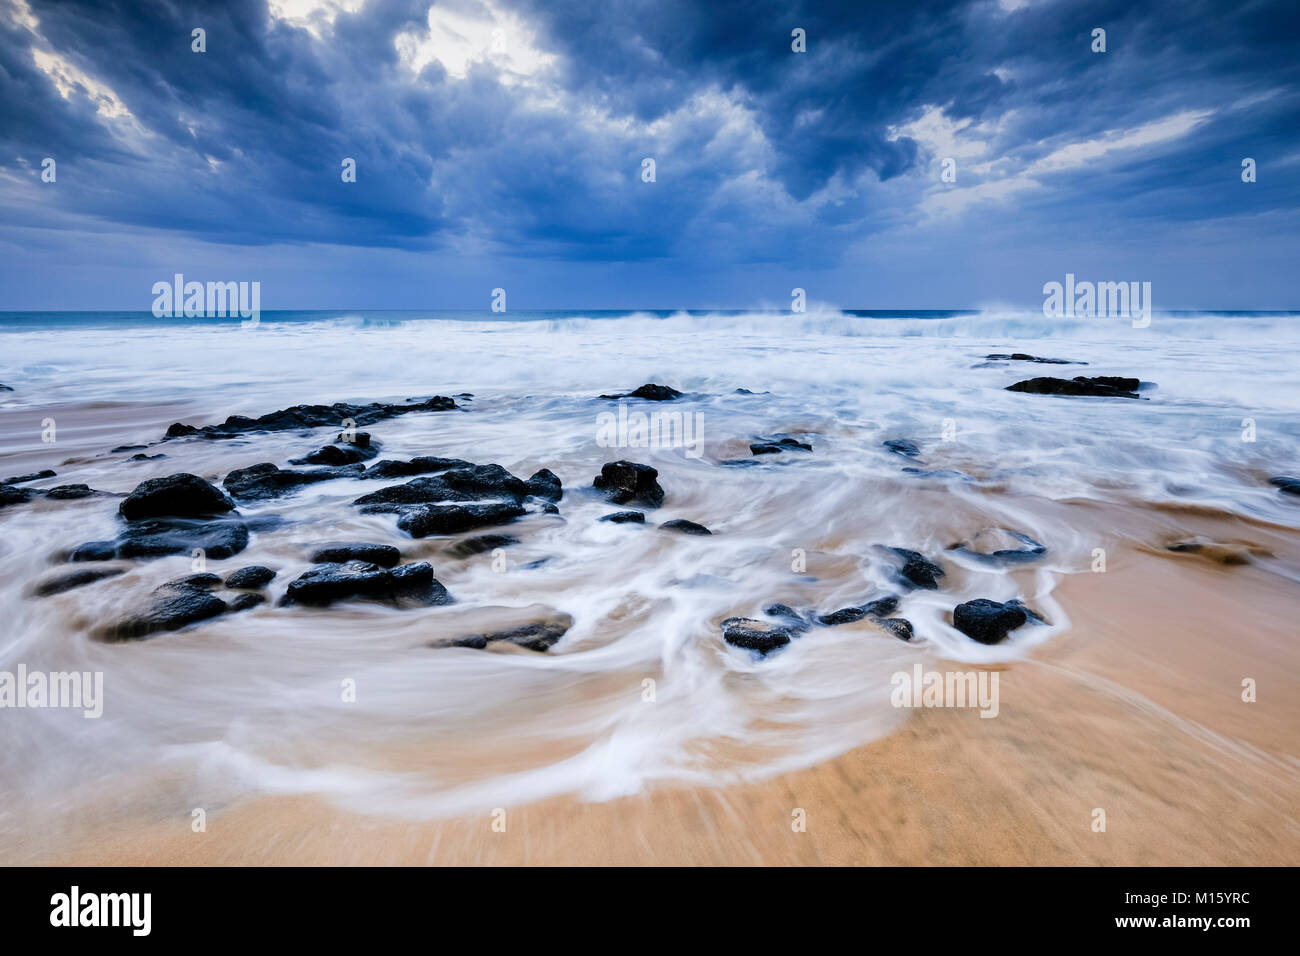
[[629, 482], [250, 578], [406, 585], [310, 416], [1105, 386]]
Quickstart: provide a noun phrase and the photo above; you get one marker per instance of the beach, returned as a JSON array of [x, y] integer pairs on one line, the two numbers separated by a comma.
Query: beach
[[1160, 573]]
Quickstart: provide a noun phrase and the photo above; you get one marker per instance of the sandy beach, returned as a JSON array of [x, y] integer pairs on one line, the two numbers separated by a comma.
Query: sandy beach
[[1137, 711]]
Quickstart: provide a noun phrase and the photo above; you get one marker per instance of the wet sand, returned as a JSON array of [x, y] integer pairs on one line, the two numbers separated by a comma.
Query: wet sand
[[1137, 711]]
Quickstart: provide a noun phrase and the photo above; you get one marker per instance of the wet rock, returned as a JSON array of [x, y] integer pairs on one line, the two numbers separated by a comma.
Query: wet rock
[[537, 636], [651, 393], [175, 496], [937, 473], [32, 476], [625, 517], [901, 446], [545, 484], [918, 570], [73, 492], [384, 555], [481, 544], [1107, 386], [15, 496], [74, 579], [265, 480], [881, 607], [205, 580], [420, 521], [900, 627], [172, 609], [360, 439], [845, 615], [778, 445], [6, 388], [143, 457], [1025, 357], [1287, 484], [628, 482], [761, 636], [334, 455], [242, 602], [412, 584], [388, 468], [685, 527], [988, 621], [470, 483], [252, 577], [984, 547], [122, 449], [219, 538], [311, 416], [783, 611], [1230, 554]]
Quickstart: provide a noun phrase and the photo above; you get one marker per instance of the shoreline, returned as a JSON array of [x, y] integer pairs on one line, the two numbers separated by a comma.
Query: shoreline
[[1137, 711]]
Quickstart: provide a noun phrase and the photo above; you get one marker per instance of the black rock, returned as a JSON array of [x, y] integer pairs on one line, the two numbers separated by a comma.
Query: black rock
[[389, 468], [384, 555], [900, 627], [775, 446], [176, 496], [1287, 484], [1025, 357], [420, 521], [265, 480], [845, 615], [311, 416], [334, 455], [1107, 386], [125, 448], [545, 484], [628, 482], [220, 538], [15, 496], [651, 393], [783, 611], [901, 446], [360, 439], [469, 483], [361, 580], [72, 492], [143, 457], [987, 621], [881, 607], [685, 527], [625, 517], [754, 635], [537, 636], [481, 544], [1032, 550], [242, 602], [33, 476], [252, 577], [174, 608], [204, 579], [74, 579], [919, 570]]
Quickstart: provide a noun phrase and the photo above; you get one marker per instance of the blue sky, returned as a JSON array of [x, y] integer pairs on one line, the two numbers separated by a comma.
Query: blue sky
[[501, 144]]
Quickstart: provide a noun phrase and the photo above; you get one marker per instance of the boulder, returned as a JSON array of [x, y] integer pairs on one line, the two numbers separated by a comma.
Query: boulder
[[545, 484], [384, 555], [173, 607], [265, 480], [389, 468], [1106, 386], [334, 455], [628, 482], [408, 584], [625, 517], [988, 621], [761, 636], [32, 476], [778, 445], [420, 521], [685, 527], [218, 538], [176, 496], [651, 393], [252, 577], [918, 570]]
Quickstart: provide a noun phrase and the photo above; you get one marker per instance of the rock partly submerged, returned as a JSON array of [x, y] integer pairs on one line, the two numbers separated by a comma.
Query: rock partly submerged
[[535, 636], [69, 580], [629, 482], [266, 480], [682, 526], [405, 585], [989, 622], [311, 416], [1286, 484], [918, 570], [250, 578], [1104, 386], [774, 446], [651, 393]]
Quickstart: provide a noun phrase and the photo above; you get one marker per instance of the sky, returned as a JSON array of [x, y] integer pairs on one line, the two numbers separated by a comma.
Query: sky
[[502, 144]]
